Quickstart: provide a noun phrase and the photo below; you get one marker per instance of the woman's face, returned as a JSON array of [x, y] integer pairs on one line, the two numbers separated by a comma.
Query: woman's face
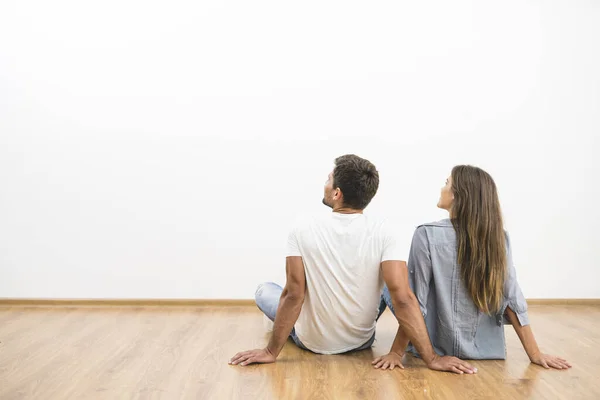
[[446, 196]]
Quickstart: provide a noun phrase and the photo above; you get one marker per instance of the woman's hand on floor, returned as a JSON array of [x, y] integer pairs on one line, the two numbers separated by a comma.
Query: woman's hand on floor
[[260, 356], [389, 361], [547, 361]]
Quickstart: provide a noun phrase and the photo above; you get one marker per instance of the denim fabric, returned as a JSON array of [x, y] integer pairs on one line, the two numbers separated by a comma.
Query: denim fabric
[[267, 299]]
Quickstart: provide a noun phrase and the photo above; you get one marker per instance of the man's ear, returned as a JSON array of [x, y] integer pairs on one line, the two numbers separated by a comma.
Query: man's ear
[[337, 195]]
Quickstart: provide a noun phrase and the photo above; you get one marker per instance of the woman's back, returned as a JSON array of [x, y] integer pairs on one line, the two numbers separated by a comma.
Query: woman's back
[[456, 326], [462, 273]]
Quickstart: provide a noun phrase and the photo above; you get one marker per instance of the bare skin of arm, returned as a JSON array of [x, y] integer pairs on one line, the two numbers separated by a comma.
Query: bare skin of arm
[[412, 326], [530, 345], [290, 305], [394, 357]]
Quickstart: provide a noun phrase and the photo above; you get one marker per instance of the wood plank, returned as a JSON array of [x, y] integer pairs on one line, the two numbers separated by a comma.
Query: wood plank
[[182, 353], [207, 302]]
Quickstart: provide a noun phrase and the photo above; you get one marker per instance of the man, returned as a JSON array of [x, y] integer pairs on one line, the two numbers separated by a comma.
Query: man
[[336, 267]]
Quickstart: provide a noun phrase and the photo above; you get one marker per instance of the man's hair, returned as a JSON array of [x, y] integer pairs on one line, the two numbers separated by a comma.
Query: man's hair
[[357, 178]]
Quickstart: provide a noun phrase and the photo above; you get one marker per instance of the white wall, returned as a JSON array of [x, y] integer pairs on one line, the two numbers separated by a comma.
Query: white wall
[[160, 149]]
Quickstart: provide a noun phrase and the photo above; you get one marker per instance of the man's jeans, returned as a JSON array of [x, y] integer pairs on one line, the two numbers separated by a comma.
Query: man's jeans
[[267, 299]]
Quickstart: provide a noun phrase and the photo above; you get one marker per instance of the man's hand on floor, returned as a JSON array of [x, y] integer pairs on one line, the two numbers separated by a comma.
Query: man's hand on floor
[[389, 361], [260, 356], [451, 364]]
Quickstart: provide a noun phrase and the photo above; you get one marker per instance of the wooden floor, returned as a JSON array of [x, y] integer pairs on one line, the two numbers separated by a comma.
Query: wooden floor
[[182, 353]]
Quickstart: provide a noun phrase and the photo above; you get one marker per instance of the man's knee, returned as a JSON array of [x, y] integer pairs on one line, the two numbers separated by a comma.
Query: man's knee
[[262, 293], [259, 291]]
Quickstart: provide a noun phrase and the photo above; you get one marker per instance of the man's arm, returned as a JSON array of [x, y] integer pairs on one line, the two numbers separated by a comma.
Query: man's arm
[[406, 307], [400, 342], [394, 357], [419, 263], [290, 304], [288, 311]]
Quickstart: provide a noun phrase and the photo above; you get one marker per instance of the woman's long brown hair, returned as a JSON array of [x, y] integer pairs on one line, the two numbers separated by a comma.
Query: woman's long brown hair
[[477, 219]]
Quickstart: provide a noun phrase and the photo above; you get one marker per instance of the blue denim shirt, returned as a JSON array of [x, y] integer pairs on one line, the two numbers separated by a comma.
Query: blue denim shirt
[[456, 326]]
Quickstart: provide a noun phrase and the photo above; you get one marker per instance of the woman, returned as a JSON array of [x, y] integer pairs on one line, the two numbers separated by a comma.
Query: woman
[[462, 273]]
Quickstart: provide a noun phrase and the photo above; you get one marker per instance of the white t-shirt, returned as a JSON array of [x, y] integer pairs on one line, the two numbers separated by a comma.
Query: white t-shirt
[[342, 255]]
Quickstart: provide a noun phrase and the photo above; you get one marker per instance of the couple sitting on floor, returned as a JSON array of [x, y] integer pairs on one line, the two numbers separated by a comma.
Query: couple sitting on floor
[[450, 301]]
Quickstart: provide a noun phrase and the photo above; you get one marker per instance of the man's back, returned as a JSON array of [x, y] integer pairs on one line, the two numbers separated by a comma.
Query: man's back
[[342, 254]]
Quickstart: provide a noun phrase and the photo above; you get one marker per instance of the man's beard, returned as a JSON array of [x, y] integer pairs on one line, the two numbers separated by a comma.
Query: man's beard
[[325, 202]]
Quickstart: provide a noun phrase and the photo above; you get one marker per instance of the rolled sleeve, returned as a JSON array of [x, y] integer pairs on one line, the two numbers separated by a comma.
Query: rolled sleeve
[[513, 296], [419, 267]]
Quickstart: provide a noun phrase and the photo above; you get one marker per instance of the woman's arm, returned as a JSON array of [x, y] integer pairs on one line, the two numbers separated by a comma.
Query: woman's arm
[[516, 312], [530, 345]]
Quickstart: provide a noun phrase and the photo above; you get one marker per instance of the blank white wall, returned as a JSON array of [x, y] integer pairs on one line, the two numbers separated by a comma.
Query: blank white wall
[[161, 149]]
